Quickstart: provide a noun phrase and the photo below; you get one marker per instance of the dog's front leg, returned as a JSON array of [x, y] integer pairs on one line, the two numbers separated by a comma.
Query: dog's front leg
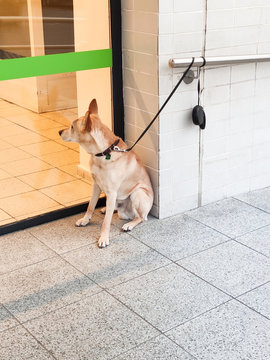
[[105, 230], [91, 206]]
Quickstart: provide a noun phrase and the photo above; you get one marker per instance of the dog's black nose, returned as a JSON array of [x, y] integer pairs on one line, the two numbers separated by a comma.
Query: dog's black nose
[[60, 132]]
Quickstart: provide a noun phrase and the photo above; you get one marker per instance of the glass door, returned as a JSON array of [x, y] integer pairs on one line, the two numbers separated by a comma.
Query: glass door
[[43, 44]]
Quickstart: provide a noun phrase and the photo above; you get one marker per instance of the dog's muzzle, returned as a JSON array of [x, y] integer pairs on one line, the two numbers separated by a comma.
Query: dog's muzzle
[[60, 132]]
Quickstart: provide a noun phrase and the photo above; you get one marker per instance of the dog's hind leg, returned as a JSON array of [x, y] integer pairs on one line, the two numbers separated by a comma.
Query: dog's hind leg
[[103, 210], [124, 209], [91, 207], [141, 205]]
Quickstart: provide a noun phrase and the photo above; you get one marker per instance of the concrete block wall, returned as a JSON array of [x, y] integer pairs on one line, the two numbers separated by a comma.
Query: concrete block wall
[[140, 76], [190, 167], [236, 143], [181, 35]]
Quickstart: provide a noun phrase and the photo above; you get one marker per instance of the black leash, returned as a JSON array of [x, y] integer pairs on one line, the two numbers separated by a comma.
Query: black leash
[[114, 147], [199, 80], [163, 106]]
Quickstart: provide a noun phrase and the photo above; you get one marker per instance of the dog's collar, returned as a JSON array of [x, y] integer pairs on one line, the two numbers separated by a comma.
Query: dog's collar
[[111, 148]]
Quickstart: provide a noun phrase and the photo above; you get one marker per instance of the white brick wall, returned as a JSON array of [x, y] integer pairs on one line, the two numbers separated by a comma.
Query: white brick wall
[[178, 136], [239, 165], [140, 71], [235, 144]]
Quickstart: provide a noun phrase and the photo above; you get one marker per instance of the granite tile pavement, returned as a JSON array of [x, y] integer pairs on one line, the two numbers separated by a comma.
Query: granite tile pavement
[[195, 286]]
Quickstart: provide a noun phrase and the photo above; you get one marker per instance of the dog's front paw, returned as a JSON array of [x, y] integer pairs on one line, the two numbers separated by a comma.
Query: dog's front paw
[[82, 222], [103, 241]]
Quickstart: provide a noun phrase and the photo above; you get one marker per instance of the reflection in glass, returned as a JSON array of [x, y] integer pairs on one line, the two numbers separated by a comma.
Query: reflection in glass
[[32, 28], [38, 172], [58, 26], [14, 29]]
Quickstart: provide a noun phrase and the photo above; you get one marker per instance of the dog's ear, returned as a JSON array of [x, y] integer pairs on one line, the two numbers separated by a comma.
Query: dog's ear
[[93, 108], [87, 123]]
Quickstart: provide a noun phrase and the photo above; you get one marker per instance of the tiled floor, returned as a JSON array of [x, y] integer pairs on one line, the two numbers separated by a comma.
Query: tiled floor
[[194, 286], [38, 171]]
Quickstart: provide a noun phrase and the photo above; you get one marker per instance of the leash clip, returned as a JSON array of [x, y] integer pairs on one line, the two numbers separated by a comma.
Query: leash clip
[[117, 148]]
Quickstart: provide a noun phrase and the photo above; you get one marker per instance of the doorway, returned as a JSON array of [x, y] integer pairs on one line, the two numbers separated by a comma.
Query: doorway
[[39, 173]]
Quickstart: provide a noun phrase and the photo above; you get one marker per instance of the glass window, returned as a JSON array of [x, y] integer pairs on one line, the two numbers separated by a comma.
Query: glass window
[[14, 29], [58, 26], [39, 172]]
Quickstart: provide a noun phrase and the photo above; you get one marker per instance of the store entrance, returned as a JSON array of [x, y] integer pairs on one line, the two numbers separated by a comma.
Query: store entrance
[[39, 173]]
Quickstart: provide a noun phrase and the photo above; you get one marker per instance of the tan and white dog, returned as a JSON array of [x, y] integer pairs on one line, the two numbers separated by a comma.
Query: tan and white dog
[[121, 175]]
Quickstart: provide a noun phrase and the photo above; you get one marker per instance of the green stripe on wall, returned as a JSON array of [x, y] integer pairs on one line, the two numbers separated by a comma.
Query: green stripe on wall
[[54, 64]]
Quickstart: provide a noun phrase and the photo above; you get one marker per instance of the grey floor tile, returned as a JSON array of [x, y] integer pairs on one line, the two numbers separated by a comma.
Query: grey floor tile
[[63, 235], [178, 237], [231, 267], [258, 299], [258, 198], [43, 287], [18, 344], [231, 217], [98, 327], [123, 260], [168, 296], [231, 331], [160, 348], [21, 249], [258, 240], [6, 319]]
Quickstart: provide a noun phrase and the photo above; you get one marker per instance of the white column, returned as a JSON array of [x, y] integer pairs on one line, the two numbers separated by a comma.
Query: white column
[[92, 32]]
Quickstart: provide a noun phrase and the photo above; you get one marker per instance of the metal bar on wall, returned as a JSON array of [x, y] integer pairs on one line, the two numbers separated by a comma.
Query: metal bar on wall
[[219, 60]]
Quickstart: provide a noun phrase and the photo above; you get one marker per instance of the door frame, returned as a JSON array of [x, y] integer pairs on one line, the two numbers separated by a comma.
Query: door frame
[[117, 73]]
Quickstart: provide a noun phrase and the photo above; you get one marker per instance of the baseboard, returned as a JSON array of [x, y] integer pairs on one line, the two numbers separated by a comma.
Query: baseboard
[[48, 217]]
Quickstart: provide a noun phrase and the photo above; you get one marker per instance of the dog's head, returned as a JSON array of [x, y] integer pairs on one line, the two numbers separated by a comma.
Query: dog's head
[[80, 129]]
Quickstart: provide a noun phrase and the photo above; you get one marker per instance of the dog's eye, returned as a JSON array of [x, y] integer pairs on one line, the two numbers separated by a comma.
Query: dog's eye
[[72, 127]]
